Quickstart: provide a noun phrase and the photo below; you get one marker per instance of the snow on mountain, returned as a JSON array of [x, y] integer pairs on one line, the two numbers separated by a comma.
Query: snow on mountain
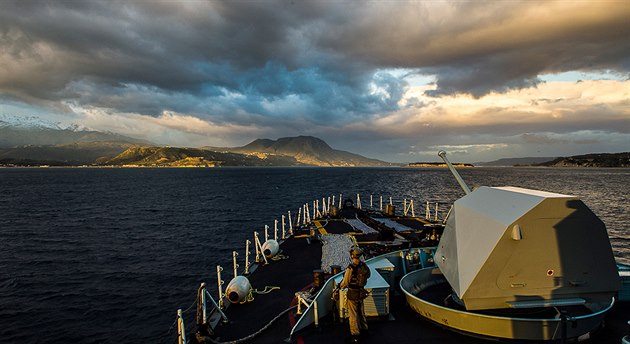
[[28, 122], [35, 131]]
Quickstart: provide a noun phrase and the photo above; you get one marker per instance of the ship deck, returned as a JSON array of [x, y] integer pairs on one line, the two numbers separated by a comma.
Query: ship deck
[[301, 255]]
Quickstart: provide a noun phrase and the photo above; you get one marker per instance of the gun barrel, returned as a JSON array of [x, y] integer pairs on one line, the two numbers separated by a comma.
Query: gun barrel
[[460, 181]]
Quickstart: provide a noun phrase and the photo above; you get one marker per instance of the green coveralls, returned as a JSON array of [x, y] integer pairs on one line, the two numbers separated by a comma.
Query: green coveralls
[[354, 303]]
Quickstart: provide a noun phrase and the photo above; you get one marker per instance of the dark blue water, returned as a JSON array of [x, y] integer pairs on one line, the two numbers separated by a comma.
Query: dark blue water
[[109, 255]]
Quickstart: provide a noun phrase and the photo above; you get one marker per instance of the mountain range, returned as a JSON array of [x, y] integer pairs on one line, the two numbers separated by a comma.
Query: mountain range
[[36, 143], [307, 150], [27, 141]]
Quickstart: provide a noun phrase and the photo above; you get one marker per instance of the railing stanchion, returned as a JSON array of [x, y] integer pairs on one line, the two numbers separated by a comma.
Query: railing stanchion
[[220, 284], [247, 242], [283, 227], [291, 223], [181, 329]]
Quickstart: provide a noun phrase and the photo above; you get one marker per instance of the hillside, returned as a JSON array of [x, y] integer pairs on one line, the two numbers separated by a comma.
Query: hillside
[[192, 157], [70, 154], [592, 160], [307, 150], [86, 150]]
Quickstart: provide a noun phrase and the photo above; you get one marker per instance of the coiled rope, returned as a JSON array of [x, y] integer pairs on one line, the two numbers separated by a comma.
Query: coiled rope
[[250, 297], [279, 256], [251, 336]]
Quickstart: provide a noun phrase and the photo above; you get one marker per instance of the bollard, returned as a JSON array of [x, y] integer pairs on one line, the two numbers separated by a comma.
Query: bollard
[[318, 278]]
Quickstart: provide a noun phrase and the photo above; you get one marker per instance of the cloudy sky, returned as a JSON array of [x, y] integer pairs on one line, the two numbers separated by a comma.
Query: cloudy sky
[[393, 80]]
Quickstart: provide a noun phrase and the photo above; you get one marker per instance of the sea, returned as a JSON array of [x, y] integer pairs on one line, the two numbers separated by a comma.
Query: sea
[[108, 255]]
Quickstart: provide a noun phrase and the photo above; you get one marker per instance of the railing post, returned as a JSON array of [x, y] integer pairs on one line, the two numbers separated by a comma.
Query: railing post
[[436, 211], [219, 284], [370, 201], [299, 217], [283, 228], [247, 242], [381, 206], [291, 223], [204, 314], [256, 246], [234, 254], [275, 229], [358, 202], [181, 329]]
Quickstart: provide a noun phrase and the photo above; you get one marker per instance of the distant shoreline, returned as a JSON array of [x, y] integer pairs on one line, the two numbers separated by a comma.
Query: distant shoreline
[[439, 165], [249, 166]]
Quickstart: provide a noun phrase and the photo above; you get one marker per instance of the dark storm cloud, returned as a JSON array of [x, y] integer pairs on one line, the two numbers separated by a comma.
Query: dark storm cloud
[[477, 47], [283, 58]]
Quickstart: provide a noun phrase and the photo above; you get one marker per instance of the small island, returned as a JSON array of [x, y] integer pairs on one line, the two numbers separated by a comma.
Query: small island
[[438, 164]]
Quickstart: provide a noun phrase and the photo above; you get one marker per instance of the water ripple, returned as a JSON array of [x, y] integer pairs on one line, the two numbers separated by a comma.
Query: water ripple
[[109, 255]]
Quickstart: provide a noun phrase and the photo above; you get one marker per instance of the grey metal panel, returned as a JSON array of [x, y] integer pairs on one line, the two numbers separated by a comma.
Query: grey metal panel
[[446, 254]]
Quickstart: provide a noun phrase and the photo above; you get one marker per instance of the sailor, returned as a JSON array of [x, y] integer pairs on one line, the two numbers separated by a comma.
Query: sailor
[[354, 279]]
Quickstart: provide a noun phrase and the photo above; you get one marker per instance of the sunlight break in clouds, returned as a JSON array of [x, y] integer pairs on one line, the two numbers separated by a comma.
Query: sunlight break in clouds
[[556, 117], [551, 106]]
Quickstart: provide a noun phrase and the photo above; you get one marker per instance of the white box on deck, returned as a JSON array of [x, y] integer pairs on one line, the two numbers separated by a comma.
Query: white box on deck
[[377, 302]]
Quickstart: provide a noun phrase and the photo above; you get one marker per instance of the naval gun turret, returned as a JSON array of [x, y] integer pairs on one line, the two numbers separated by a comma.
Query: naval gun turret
[[509, 247]]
